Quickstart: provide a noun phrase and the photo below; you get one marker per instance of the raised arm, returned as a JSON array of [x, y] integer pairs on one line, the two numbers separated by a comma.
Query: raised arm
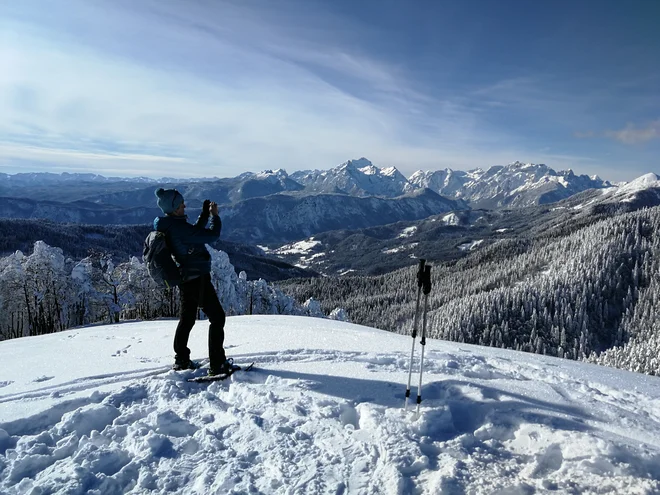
[[199, 233], [203, 218]]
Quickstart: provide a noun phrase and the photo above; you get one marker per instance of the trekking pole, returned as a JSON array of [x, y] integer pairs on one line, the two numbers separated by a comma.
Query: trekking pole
[[420, 282], [426, 290]]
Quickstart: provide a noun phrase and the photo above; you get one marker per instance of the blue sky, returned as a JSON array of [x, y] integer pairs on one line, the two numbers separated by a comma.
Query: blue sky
[[216, 88]]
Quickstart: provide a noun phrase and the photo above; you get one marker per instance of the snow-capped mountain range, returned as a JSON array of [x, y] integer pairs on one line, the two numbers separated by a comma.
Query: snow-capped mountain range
[[514, 185], [517, 184], [448, 236], [274, 207]]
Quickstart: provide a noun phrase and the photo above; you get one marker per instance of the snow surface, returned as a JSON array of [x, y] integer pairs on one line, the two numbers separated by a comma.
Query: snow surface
[[97, 410]]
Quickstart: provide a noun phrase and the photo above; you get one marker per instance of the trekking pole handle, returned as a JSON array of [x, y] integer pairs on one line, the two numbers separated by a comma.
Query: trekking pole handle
[[426, 282], [420, 272]]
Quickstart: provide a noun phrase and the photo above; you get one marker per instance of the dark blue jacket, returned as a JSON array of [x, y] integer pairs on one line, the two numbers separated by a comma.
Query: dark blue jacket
[[187, 242]]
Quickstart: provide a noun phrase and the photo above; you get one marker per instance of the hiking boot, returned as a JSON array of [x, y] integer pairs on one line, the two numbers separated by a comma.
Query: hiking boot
[[225, 368], [184, 364]]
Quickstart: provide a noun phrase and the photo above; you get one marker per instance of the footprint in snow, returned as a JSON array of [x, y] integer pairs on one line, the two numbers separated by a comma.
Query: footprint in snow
[[121, 351], [551, 460], [4, 384]]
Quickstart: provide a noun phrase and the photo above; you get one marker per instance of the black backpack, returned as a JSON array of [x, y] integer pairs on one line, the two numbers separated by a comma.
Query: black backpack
[[161, 266]]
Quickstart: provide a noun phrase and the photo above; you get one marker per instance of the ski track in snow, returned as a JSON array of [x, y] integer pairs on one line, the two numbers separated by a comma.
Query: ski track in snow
[[488, 424]]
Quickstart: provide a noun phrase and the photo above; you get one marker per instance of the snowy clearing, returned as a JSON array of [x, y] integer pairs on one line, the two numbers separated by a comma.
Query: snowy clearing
[[469, 246], [97, 410], [408, 232], [400, 248], [451, 219], [301, 247]]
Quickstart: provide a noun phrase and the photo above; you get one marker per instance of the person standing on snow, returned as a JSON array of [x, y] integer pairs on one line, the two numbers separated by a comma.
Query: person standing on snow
[[187, 244]]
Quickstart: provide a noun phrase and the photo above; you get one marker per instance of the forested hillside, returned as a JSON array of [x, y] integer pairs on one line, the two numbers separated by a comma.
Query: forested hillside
[[571, 291], [75, 240]]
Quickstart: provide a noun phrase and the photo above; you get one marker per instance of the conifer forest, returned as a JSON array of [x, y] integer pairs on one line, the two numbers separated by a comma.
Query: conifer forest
[[578, 292]]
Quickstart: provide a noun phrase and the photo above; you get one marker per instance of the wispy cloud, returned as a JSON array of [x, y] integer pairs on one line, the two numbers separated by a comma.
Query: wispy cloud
[[79, 95], [78, 155], [280, 99], [631, 134]]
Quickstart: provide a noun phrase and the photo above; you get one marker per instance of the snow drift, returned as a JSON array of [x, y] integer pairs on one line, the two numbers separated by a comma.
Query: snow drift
[[97, 410]]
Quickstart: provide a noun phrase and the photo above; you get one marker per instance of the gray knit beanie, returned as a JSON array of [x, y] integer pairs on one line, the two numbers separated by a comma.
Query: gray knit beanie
[[168, 199]]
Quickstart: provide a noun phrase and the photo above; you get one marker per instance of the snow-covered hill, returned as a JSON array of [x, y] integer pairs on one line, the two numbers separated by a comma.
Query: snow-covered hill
[[96, 410], [645, 187], [643, 192]]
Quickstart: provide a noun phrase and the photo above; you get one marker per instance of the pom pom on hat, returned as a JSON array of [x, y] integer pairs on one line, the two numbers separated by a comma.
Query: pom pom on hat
[[168, 199]]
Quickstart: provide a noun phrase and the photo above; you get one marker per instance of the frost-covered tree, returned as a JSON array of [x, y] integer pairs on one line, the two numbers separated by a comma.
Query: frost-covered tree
[[37, 292], [225, 281], [98, 283], [312, 307], [44, 292], [13, 311], [338, 314]]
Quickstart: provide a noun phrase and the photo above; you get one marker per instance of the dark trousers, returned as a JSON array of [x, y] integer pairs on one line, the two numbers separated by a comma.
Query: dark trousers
[[200, 293]]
